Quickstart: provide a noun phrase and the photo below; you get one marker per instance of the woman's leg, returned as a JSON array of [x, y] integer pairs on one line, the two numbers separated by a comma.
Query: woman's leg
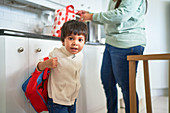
[[109, 82], [120, 67]]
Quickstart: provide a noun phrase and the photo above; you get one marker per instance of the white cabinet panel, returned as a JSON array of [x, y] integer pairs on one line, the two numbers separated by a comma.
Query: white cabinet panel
[[94, 89], [39, 49], [92, 98], [88, 5], [51, 4], [2, 77], [16, 69]]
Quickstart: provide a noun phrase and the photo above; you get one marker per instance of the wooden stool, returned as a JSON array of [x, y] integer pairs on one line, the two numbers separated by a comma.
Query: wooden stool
[[132, 78]]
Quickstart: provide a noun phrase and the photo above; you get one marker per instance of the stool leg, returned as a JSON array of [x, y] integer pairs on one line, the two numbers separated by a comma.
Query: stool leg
[[147, 87], [132, 86]]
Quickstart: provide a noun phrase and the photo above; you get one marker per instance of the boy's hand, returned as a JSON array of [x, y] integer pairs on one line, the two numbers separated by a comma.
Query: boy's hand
[[50, 63]]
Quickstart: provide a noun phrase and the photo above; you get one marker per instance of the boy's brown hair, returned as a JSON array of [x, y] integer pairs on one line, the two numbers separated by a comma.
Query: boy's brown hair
[[74, 27]]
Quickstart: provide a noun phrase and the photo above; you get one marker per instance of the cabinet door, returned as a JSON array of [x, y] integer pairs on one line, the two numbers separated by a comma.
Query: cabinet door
[[2, 76], [94, 89], [39, 49], [52, 4], [92, 93], [16, 74]]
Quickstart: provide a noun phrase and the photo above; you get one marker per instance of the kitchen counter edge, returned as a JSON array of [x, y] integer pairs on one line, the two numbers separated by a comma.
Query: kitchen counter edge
[[7, 32]]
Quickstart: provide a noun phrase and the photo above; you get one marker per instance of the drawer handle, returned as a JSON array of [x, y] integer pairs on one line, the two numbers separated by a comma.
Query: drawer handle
[[21, 49], [38, 50]]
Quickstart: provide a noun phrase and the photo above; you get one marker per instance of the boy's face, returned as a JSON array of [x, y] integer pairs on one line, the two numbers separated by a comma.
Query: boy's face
[[74, 43]]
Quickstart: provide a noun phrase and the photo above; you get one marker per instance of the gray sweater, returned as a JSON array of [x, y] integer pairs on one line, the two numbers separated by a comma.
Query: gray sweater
[[64, 80], [124, 26]]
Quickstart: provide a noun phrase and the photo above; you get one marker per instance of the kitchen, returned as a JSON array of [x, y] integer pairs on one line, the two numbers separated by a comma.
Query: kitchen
[[27, 17]]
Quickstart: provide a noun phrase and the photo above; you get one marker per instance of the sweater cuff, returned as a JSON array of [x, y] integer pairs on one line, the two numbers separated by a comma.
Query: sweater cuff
[[40, 60], [95, 15], [38, 68]]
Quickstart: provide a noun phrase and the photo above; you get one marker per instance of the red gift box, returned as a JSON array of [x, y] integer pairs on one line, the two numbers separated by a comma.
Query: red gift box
[[62, 16]]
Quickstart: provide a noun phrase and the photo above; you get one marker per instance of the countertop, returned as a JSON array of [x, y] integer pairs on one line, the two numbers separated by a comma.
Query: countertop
[[7, 32]]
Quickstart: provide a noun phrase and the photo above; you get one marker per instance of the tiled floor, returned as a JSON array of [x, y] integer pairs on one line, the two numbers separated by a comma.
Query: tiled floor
[[159, 105]]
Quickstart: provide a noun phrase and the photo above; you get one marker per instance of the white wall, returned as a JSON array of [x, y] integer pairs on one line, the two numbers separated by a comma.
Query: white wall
[[158, 41], [105, 4]]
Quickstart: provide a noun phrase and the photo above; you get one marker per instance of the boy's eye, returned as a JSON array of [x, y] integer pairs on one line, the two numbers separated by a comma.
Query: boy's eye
[[80, 40], [70, 38]]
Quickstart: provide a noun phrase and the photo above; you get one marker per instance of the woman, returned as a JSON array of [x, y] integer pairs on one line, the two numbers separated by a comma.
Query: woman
[[125, 35]]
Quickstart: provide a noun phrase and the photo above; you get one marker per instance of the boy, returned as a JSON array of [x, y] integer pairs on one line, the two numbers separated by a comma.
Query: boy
[[65, 64]]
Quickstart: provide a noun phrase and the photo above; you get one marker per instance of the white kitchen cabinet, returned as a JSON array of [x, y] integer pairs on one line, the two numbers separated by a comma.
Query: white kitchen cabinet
[[88, 5], [94, 93], [91, 96], [15, 71], [39, 49], [49, 4], [16, 67]]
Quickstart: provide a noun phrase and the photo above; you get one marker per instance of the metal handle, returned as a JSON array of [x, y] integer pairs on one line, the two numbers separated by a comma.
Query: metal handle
[[21, 49], [38, 50]]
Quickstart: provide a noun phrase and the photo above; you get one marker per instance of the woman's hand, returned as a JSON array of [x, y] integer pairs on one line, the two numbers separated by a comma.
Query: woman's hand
[[50, 63], [85, 15], [80, 12]]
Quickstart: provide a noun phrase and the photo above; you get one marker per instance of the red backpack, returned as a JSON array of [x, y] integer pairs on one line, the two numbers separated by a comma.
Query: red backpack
[[35, 88]]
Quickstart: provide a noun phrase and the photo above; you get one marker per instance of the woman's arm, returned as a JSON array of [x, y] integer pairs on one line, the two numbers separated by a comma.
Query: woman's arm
[[125, 11]]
